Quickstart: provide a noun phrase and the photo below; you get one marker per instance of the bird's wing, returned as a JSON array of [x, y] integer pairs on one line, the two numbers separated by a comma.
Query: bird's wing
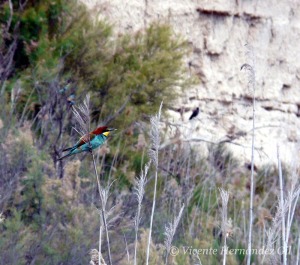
[[85, 145], [85, 139]]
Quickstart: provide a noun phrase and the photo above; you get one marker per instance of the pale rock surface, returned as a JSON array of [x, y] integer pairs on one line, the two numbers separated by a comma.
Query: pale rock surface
[[217, 31]]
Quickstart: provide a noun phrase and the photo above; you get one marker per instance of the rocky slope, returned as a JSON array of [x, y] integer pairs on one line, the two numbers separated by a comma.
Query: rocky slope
[[217, 32]]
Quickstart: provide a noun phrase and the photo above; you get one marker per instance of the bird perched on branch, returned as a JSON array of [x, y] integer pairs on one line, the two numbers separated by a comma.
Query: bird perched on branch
[[195, 113], [89, 141], [71, 99]]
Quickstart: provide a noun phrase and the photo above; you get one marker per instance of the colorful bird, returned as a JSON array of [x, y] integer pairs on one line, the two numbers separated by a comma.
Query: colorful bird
[[71, 100], [195, 113], [89, 141], [65, 88]]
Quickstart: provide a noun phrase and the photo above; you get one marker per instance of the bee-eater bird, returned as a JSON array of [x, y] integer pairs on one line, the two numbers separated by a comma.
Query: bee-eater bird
[[89, 141]]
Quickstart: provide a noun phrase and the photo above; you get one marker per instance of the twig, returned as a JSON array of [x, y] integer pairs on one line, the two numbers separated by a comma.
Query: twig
[[118, 112]]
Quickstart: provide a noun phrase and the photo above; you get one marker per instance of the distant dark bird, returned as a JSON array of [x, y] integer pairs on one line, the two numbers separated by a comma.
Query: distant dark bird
[[195, 113]]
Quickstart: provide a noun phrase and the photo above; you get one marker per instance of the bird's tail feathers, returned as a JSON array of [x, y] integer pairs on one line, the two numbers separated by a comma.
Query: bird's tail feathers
[[64, 157], [67, 149]]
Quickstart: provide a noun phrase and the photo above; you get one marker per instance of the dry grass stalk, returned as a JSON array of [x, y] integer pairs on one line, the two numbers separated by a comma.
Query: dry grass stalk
[[281, 204], [225, 224], [139, 192], [82, 116], [288, 205], [96, 259], [170, 232], [273, 235], [153, 153]]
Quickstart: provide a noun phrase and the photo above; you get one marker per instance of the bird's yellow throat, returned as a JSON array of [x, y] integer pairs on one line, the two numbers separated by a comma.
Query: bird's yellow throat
[[106, 133]]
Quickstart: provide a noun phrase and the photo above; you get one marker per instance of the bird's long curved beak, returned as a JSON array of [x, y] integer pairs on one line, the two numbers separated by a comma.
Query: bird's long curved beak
[[111, 129]]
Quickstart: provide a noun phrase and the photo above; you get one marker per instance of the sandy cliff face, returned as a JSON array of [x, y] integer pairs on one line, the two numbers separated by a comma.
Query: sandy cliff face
[[217, 31]]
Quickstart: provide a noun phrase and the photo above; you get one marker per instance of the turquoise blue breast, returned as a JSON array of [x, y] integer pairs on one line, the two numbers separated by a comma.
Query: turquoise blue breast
[[98, 141]]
